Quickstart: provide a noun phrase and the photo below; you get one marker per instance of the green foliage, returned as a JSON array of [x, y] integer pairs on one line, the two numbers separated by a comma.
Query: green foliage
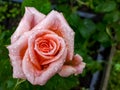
[[106, 6], [42, 6], [114, 83], [54, 83], [87, 28], [113, 16], [6, 29]]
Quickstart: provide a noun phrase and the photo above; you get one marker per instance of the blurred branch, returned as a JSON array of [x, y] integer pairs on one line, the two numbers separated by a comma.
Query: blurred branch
[[88, 3], [105, 80], [19, 81], [82, 3]]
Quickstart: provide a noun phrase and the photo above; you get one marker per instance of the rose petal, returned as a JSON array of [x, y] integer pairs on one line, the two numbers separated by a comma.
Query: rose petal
[[56, 22], [31, 18], [19, 47], [76, 67], [37, 78], [79, 68], [67, 70], [77, 59], [16, 53], [78, 64], [17, 64]]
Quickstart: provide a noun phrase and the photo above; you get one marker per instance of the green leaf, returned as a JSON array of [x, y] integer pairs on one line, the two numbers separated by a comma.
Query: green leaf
[[87, 28], [118, 1], [64, 8], [42, 6], [118, 35], [117, 32], [10, 83], [98, 66], [117, 67], [106, 6], [116, 27], [74, 21], [55, 83], [112, 17], [102, 36], [114, 83]]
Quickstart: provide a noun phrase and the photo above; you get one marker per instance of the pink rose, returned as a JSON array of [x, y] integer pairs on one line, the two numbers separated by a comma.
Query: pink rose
[[43, 46]]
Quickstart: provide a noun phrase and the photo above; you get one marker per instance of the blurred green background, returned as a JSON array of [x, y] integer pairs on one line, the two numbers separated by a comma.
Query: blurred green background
[[97, 39]]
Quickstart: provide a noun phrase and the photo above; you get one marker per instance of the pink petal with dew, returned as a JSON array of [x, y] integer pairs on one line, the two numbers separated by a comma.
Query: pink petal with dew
[[37, 77], [79, 68], [67, 70], [16, 54], [78, 64], [31, 18], [17, 66], [75, 67], [77, 59], [56, 22]]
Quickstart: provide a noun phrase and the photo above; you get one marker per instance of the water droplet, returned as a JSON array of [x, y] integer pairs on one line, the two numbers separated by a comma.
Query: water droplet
[[13, 51], [28, 75], [56, 68], [18, 44], [72, 34], [15, 47], [13, 62], [15, 37], [18, 72]]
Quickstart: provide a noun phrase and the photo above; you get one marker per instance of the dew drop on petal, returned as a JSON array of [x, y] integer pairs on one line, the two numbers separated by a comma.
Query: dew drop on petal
[[15, 36], [15, 47], [18, 44], [28, 75], [56, 68], [13, 62], [72, 34], [18, 72], [13, 51]]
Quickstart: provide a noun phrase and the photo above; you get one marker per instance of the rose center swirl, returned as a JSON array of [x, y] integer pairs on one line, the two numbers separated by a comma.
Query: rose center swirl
[[44, 45], [47, 45]]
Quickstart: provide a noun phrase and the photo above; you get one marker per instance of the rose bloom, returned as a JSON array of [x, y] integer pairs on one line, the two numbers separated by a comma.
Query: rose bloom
[[43, 46]]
